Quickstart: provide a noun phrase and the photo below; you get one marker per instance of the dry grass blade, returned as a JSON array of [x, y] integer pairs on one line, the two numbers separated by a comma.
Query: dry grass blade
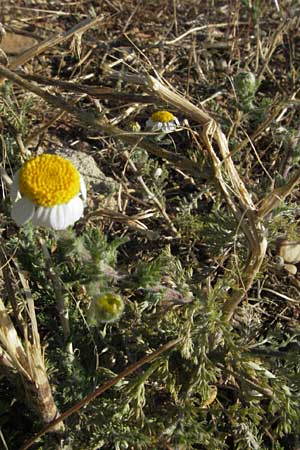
[[277, 196], [93, 91], [11, 344], [134, 222]]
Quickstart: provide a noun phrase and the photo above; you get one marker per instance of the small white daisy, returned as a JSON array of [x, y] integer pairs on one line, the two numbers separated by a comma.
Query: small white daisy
[[49, 191], [162, 121]]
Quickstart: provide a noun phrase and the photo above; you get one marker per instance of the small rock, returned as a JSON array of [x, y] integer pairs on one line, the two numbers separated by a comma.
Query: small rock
[[290, 268], [289, 250], [16, 44]]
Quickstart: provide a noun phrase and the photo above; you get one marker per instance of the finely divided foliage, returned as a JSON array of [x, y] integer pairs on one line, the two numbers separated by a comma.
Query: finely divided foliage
[[167, 315]]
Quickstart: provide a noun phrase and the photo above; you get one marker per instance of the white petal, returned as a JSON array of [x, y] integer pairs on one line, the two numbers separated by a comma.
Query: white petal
[[14, 189], [22, 211], [157, 126], [67, 214], [168, 127], [58, 217], [82, 188], [153, 125], [42, 216], [73, 210]]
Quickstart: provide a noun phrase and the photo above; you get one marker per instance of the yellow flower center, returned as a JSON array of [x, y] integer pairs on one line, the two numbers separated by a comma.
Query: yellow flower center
[[162, 116], [110, 303], [49, 180]]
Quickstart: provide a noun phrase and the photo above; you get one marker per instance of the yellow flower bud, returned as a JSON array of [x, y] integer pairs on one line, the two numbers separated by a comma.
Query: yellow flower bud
[[106, 308]]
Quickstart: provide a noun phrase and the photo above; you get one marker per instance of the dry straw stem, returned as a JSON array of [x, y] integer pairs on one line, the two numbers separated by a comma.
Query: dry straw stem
[[24, 358], [267, 392], [275, 42], [277, 196], [93, 91], [128, 371], [133, 222], [237, 196]]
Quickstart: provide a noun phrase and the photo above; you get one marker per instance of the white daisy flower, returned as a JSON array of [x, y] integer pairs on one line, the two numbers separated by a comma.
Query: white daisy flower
[[162, 121], [49, 191]]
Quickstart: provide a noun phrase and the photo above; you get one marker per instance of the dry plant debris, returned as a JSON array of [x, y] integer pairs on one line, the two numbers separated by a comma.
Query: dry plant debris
[[190, 235]]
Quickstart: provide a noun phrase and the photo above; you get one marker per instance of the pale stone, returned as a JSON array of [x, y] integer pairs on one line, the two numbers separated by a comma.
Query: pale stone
[[289, 250], [290, 268], [16, 44]]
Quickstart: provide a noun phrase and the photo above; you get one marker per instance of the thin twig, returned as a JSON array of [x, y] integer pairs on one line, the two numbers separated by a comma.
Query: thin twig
[[151, 195]]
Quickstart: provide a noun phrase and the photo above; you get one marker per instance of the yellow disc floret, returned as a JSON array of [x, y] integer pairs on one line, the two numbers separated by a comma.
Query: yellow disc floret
[[49, 180], [110, 303], [162, 116]]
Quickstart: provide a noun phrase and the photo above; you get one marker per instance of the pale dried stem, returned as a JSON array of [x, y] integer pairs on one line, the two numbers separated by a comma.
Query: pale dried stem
[[223, 186], [257, 254], [11, 344], [196, 30], [245, 212], [22, 358], [267, 392], [241, 193], [25, 360], [277, 196]]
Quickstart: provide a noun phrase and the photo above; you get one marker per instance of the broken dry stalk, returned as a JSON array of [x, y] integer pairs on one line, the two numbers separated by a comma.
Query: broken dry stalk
[[51, 42], [277, 196], [23, 360]]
